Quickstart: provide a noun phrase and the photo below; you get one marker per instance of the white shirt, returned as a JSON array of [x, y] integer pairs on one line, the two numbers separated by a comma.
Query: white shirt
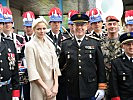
[[10, 35], [29, 37], [128, 57], [79, 39], [55, 34]]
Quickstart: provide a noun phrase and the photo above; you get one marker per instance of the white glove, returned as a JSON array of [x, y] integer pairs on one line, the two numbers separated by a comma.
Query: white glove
[[99, 94], [15, 98]]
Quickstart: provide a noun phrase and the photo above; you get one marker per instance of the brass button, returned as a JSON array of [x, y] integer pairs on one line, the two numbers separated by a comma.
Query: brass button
[[79, 55], [79, 49], [1, 69], [1, 78], [80, 73], [79, 66], [0, 61]]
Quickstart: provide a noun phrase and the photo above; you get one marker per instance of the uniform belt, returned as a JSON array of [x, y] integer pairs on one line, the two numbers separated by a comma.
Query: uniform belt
[[5, 82]]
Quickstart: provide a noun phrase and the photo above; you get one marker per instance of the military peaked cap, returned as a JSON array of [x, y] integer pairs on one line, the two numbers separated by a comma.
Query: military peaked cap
[[79, 18], [126, 37]]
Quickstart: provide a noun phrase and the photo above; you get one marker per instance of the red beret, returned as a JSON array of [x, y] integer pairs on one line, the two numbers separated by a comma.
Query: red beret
[[111, 18]]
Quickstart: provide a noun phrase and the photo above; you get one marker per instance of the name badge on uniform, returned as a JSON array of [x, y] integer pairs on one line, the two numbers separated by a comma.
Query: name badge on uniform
[[89, 47]]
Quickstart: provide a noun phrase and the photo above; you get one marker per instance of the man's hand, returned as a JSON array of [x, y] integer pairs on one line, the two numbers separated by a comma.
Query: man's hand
[[15, 98], [99, 94]]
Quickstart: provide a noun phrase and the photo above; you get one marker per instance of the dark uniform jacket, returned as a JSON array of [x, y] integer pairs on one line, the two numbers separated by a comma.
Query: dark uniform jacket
[[121, 80], [56, 43], [23, 48], [26, 38], [101, 35], [8, 52], [83, 65], [67, 34], [19, 43]]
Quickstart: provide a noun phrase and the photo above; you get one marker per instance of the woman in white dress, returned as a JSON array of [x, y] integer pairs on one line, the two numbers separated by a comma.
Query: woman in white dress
[[42, 62]]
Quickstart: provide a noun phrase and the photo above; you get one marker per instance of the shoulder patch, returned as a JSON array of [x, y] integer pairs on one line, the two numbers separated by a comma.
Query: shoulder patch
[[94, 38]]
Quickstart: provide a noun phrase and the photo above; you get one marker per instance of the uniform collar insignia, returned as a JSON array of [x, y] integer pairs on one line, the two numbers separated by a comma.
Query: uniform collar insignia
[[3, 39], [86, 38], [124, 58]]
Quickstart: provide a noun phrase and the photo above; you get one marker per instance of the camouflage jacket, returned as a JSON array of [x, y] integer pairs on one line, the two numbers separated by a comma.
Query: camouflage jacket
[[110, 49]]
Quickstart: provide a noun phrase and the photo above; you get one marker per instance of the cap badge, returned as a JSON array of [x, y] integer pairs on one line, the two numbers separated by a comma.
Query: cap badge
[[128, 34], [79, 16]]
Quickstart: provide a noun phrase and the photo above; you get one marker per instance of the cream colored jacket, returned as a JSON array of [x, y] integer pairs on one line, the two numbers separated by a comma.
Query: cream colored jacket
[[42, 64]]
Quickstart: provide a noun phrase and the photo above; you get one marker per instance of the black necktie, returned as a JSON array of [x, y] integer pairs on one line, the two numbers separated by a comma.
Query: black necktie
[[131, 60], [8, 36], [55, 38], [29, 38], [79, 41]]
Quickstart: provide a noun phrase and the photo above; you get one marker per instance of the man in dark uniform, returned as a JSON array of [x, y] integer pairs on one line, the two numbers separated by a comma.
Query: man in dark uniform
[[7, 32], [9, 78], [96, 22], [18, 40], [55, 36], [82, 60], [121, 80]]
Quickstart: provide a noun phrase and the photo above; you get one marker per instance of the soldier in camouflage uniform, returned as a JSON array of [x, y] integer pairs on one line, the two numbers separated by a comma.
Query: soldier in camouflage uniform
[[110, 45]]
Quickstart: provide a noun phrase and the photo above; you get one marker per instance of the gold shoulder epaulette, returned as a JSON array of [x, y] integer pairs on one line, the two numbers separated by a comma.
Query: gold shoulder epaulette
[[94, 37]]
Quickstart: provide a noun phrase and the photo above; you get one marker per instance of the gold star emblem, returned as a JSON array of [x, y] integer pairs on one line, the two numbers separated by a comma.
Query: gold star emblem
[[128, 34], [79, 16]]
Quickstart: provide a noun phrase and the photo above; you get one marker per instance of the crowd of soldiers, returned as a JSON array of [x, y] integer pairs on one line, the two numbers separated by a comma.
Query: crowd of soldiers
[[95, 65]]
